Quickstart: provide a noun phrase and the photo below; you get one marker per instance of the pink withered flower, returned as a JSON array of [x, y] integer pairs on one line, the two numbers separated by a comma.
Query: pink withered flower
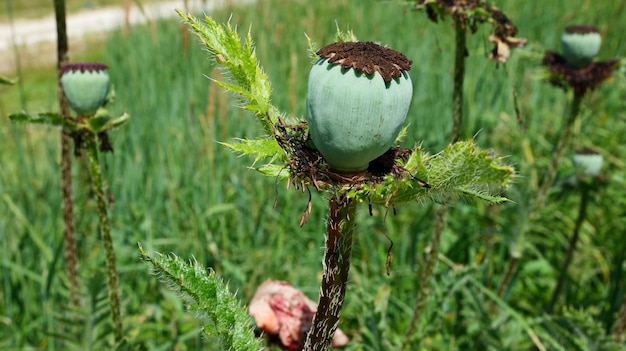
[[284, 311]]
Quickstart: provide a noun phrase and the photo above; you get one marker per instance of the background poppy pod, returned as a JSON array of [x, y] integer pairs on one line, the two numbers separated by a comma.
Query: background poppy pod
[[580, 45], [85, 85], [588, 162]]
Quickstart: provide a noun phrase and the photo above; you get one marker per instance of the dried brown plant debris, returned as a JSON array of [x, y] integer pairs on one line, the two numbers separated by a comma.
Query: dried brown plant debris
[[464, 13], [580, 79], [307, 167]]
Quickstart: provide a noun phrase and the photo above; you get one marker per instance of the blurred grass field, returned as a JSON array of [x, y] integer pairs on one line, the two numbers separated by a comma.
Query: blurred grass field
[[175, 189], [40, 8]]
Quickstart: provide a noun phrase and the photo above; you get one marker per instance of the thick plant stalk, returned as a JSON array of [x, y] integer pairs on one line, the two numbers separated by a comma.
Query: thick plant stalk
[[425, 277], [69, 241], [459, 77], [69, 238], [105, 231], [582, 214], [340, 226]]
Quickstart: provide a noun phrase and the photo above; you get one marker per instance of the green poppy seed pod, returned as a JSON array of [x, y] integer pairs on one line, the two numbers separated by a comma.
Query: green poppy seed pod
[[588, 162], [357, 101], [580, 45], [85, 86]]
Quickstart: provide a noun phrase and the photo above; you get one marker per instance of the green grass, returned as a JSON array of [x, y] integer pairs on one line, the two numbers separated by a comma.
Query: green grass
[[176, 190]]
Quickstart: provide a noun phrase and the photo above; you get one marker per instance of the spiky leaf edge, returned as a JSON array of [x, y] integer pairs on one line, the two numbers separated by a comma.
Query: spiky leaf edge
[[209, 297]]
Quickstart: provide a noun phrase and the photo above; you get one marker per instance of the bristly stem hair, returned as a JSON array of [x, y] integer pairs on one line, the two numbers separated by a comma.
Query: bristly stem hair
[[339, 230], [69, 239], [105, 231]]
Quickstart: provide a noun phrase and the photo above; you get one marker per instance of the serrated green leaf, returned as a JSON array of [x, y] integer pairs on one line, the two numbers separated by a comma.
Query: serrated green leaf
[[260, 148], [209, 297], [20, 117], [462, 169], [484, 196], [47, 118]]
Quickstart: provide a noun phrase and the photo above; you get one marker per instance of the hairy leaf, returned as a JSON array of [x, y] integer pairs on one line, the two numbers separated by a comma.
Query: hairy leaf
[[48, 118], [209, 297], [462, 169], [260, 148]]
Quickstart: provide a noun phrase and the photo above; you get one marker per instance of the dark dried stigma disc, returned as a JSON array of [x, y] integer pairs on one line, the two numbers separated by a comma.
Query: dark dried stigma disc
[[367, 57]]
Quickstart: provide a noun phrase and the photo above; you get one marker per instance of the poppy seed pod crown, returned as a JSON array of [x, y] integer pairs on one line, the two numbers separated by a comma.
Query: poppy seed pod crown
[[588, 161], [85, 85], [357, 100], [580, 45]]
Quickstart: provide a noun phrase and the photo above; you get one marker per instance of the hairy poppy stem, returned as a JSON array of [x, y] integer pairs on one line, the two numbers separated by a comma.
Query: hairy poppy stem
[[340, 226], [69, 240], [105, 231]]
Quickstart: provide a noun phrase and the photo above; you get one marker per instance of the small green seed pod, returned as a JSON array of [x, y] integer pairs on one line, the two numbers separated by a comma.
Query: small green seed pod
[[588, 161], [357, 101], [85, 86], [580, 45]]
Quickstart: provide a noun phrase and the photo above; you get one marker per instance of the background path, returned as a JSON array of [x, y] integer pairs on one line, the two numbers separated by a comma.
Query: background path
[[35, 39]]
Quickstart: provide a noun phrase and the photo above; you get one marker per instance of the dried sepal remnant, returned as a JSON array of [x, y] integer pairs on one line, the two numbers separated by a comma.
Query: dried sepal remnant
[[470, 13], [367, 57], [579, 79], [284, 312], [456, 8], [306, 165], [502, 48], [504, 27]]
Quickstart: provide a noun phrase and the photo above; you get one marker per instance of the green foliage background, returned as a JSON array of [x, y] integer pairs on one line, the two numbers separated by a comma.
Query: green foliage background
[[176, 190]]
